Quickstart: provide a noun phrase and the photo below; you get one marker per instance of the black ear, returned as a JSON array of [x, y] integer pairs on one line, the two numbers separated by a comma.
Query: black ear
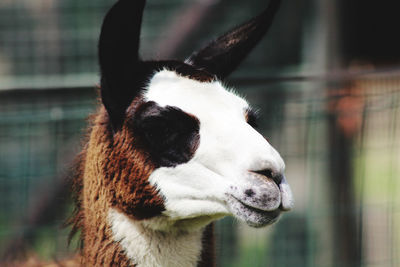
[[223, 55], [122, 75]]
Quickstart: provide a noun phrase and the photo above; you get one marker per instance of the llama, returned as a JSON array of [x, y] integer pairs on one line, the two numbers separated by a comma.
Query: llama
[[171, 150]]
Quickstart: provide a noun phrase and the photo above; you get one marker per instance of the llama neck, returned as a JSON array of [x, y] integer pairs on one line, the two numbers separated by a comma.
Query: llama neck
[[148, 247], [113, 234], [121, 241]]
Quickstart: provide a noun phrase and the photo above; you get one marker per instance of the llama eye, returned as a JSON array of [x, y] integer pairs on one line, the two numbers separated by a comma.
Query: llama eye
[[170, 135], [252, 118]]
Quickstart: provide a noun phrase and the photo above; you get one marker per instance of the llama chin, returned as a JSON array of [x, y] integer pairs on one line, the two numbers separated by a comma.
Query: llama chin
[[171, 150]]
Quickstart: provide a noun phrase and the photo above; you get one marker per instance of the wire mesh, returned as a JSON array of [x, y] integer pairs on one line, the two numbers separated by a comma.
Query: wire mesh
[[37, 130], [338, 133], [49, 43]]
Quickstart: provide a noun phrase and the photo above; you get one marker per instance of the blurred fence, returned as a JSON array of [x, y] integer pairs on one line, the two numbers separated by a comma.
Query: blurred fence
[[339, 134], [52, 43], [339, 137], [39, 136]]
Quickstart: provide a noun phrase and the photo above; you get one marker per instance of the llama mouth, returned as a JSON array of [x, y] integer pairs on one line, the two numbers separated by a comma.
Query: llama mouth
[[254, 217]]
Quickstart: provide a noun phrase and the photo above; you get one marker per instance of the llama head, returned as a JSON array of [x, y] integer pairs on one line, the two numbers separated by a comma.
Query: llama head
[[206, 159]]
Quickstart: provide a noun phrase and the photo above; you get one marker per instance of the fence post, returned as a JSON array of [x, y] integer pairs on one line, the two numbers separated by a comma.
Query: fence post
[[347, 242]]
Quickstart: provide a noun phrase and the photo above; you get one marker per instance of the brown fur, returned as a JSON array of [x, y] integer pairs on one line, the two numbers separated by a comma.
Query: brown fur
[[207, 258], [193, 73], [111, 172]]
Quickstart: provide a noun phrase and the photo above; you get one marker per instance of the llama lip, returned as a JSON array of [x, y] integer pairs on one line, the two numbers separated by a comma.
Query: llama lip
[[258, 192], [255, 209], [253, 216]]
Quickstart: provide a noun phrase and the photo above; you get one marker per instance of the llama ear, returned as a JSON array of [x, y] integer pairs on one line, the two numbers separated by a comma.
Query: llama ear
[[223, 55], [122, 75]]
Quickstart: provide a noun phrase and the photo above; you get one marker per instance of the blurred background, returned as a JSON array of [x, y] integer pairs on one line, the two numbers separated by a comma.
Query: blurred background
[[326, 80]]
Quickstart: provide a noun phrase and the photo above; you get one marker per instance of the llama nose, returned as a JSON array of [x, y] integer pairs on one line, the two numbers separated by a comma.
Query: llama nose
[[287, 195], [269, 173]]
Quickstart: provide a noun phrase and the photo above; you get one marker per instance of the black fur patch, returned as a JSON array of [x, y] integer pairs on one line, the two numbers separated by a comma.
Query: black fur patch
[[223, 55], [122, 73], [168, 134]]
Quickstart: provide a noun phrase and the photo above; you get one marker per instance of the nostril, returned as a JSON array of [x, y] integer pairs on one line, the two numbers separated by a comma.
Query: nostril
[[270, 174], [278, 179], [266, 172], [249, 193]]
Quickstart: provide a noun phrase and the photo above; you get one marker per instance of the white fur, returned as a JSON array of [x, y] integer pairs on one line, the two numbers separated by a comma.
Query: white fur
[[229, 149], [150, 248], [209, 186]]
